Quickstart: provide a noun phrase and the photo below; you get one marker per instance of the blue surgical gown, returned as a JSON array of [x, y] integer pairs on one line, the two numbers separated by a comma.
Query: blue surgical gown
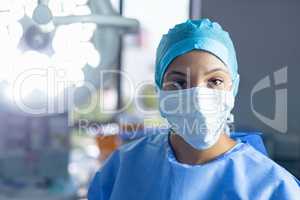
[[147, 169]]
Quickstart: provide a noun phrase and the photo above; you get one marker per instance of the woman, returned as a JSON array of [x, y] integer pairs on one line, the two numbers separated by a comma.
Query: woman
[[197, 80]]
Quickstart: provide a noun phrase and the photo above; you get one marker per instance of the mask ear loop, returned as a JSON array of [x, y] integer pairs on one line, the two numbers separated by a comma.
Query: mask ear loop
[[229, 126]]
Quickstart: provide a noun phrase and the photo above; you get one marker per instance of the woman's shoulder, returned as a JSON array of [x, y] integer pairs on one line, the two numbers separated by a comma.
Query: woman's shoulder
[[151, 137], [258, 165], [134, 154]]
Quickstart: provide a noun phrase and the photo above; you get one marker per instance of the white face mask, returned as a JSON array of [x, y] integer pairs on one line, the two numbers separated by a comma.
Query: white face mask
[[199, 114]]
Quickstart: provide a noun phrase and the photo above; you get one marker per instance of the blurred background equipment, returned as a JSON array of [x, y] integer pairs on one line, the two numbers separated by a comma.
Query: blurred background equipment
[[80, 38], [34, 157]]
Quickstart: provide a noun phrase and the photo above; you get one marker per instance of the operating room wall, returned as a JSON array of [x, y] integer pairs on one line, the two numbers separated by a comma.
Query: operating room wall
[[266, 36]]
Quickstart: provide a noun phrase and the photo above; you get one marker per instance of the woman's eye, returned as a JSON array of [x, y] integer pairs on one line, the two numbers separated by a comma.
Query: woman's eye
[[178, 84], [181, 83], [215, 82]]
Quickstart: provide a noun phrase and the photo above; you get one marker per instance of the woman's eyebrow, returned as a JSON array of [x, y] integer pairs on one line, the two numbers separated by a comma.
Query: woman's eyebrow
[[215, 70], [177, 73]]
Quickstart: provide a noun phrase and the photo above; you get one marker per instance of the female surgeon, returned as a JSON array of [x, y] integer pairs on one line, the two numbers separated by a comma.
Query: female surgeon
[[197, 80]]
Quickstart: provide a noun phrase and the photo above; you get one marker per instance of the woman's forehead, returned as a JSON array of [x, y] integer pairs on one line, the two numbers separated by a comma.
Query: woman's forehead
[[196, 62]]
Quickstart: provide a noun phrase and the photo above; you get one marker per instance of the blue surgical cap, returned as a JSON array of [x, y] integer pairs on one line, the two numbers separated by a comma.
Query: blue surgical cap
[[201, 34]]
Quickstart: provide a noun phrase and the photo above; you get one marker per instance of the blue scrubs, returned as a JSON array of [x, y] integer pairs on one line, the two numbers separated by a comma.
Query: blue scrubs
[[148, 169]]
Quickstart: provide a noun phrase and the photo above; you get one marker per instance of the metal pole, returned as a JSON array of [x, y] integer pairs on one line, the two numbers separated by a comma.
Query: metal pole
[[108, 21], [195, 9], [119, 63]]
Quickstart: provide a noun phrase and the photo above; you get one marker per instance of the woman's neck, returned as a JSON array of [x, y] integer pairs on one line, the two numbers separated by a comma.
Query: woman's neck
[[185, 153]]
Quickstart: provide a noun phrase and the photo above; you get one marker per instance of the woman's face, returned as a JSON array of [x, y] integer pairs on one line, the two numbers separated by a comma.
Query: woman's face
[[197, 68]]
